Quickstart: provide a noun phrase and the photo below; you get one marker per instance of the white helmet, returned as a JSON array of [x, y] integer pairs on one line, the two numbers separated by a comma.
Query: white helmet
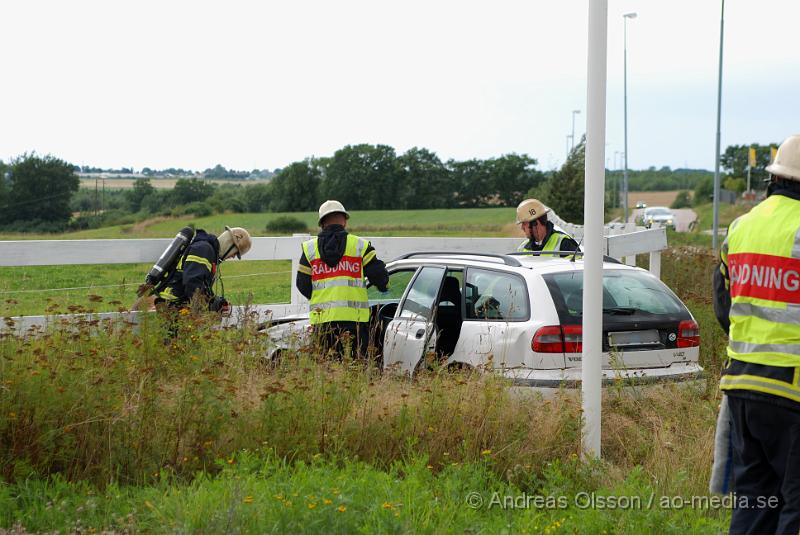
[[530, 210], [787, 161], [331, 207], [233, 242]]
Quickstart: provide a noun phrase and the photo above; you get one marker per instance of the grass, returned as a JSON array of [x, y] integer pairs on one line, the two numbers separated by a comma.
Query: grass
[[259, 492], [441, 222], [35, 290], [107, 426]]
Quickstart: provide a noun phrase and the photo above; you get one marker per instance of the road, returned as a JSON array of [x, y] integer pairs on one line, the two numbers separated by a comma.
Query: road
[[683, 217]]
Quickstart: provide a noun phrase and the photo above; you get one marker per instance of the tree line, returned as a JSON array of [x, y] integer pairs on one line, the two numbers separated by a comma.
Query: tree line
[[41, 193]]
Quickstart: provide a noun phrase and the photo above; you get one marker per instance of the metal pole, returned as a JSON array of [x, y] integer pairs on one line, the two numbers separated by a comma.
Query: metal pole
[[625, 112], [715, 228], [573, 126], [568, 147], [591, 371]]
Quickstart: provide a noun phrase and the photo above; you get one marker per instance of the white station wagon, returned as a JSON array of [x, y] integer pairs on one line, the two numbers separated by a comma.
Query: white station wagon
[[521, 316]]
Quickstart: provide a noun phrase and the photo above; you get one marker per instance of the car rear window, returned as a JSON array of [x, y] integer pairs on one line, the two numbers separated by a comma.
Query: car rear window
[[625, 292]]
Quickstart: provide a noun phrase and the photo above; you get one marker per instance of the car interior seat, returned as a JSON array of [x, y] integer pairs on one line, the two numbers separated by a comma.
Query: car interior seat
[[448, 316]]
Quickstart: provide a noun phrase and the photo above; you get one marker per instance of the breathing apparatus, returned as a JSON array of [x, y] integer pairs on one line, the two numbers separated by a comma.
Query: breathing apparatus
[[160, 271]]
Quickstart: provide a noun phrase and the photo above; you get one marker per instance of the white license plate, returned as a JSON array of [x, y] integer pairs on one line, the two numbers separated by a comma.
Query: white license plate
[[634, 338]]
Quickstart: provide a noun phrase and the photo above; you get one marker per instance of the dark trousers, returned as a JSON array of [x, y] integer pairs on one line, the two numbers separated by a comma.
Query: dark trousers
[[766, 466], [342, 339]]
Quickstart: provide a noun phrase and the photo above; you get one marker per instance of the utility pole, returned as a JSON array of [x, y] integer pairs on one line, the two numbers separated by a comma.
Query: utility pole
[[625, 18]]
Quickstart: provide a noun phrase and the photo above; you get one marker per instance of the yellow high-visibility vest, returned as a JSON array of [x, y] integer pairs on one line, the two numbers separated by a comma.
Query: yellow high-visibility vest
[[761, 255], [553, 243], [339, 293]]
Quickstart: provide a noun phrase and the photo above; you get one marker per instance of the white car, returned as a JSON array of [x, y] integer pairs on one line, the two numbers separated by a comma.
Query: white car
[[521, 316], [658, 214]]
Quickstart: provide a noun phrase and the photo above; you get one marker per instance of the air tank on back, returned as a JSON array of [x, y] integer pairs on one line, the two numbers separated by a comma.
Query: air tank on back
[[170, 256]]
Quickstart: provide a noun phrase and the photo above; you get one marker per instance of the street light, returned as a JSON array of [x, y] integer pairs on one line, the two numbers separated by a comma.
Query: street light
[[574, 112], [625, 18], [715, 223]]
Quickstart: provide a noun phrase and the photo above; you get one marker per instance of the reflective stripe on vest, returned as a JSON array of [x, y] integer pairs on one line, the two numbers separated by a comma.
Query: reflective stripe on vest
[[553, 243], [762, 255], [339, 292]]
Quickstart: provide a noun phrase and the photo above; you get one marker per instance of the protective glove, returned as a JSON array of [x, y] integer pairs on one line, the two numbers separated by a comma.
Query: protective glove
[[219, 304]]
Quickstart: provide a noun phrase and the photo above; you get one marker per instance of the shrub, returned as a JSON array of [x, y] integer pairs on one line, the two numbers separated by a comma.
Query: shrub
[[683, 200], [286, 224]]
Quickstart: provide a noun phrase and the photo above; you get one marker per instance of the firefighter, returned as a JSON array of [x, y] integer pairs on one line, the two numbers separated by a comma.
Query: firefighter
[[193, 277], [331, 276], [757, 300], [541, 234]]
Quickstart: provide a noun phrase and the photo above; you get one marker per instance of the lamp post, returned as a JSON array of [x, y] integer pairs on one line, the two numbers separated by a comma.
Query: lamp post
[[625, 18], [568, 149], [715, 225], [574, 112]]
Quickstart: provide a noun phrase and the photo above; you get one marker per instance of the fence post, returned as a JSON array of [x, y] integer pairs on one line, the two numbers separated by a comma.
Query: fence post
[[296, 298], [655, 263]]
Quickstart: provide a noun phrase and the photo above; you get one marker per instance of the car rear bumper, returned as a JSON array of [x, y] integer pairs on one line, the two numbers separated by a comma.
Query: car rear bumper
[[571, 377]]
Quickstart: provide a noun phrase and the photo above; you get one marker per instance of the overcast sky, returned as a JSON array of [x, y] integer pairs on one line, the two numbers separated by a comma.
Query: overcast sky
[[261, 84]]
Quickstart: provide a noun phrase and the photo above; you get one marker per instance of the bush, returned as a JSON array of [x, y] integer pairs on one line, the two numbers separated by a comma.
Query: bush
[[197, 209], [286, 224], [683, 200]]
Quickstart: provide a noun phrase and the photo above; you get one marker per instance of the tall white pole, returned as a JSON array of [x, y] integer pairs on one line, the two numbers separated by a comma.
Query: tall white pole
[[591, 372], [573, 126], [715, 228], [625, 18]]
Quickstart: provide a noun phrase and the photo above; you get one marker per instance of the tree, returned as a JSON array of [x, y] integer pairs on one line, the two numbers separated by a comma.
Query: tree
[[141, 189], [188, 190], [363, 177], [296, 187], [39, 189], [426, 181], [567, 187], [511, 176], [473, 182], [704, 191], [734, 161]]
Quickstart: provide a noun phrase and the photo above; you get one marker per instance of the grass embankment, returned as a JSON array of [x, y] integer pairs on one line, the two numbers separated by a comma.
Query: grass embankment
[[106, 427], [128, 424]]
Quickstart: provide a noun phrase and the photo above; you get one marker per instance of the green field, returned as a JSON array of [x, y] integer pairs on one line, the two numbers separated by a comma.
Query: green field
[[107, 288], [461, 222]]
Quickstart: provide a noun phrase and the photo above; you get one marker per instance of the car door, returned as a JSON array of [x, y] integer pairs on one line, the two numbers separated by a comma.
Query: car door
[[411, 333]]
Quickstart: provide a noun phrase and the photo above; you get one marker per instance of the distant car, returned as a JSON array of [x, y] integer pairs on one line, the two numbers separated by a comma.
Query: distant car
[[659, 215], [520, 316], [641, 204]]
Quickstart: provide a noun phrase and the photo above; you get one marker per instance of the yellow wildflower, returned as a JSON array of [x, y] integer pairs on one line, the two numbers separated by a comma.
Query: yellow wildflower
[[248, 499], [341, 508]]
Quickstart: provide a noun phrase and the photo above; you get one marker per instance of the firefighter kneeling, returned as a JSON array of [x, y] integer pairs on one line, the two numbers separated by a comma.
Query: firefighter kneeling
[[194, 273]]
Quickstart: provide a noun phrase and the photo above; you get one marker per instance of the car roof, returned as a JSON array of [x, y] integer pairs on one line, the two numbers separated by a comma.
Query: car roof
[[526, 264]]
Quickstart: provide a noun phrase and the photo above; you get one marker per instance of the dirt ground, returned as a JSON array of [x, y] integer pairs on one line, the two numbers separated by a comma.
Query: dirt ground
[[652, 198]]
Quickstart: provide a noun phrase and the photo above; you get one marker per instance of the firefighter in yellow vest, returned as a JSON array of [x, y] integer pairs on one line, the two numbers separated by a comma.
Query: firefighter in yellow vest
[[331, 275], [757, 300], [541, 234]]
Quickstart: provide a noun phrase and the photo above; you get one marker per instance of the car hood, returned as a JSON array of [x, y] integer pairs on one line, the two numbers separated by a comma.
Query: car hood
[[660, 217]]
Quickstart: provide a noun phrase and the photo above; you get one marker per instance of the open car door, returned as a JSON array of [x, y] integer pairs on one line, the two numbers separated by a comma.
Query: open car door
[[411, 334]]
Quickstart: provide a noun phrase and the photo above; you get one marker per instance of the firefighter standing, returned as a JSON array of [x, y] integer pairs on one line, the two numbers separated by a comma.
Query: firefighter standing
[[193, 277], [541, 234], [331, 276], [757, 300]]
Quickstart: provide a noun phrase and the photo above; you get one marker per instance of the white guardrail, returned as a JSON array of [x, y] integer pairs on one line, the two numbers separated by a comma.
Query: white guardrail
[[623, 242]]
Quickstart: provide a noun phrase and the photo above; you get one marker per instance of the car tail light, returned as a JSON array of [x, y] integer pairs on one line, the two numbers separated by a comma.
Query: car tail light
[[548, 340], [573, 338], [688, 334], [558, 339]]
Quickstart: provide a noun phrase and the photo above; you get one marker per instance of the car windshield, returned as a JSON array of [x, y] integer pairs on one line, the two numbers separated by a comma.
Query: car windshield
[[625, 293], [659, 211]]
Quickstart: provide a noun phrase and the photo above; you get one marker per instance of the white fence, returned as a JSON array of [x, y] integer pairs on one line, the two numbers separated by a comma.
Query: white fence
[[625, 241]]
